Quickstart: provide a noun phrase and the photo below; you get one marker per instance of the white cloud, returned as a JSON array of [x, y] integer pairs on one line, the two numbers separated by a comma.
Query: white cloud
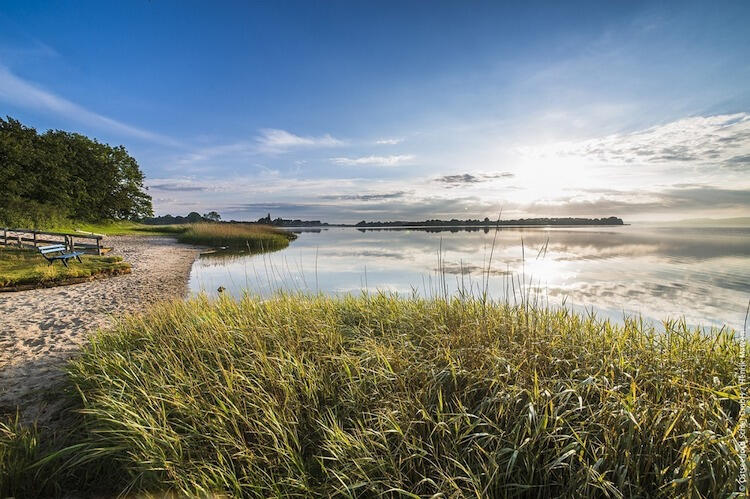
[[394, 160], [269, 141], [389, 142], [206, 158], [468, 178], [275, 140], [19, 92], [673, 200], [35, 48], [699, 140]]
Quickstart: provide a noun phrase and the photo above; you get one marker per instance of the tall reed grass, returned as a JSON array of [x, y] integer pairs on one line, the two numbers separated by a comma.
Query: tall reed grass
[[236, 236], [378, 395]]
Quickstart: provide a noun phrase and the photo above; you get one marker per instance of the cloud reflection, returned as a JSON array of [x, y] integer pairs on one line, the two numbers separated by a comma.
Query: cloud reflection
[[701, 274]]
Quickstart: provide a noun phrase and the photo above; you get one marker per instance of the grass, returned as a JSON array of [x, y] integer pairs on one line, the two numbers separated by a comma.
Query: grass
[[380, 395], [117, 228], [26, 267], [236, 236], [19, 267]]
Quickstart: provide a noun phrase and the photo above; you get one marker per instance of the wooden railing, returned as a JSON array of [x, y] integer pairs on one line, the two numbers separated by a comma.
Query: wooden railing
[[32, 237]]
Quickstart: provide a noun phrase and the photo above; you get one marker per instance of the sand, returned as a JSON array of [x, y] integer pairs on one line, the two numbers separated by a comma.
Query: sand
[[41, 329]]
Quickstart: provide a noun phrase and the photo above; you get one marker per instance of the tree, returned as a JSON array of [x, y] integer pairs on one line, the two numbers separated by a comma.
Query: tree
[[194, 217], [59, 175], [212, 216]]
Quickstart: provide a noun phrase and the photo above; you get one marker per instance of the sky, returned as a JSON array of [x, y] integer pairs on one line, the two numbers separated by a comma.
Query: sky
[[345, 110]]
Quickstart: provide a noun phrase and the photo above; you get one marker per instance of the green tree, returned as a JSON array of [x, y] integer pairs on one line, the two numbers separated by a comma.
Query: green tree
[[60, 174], [212, 216], [194, 217]]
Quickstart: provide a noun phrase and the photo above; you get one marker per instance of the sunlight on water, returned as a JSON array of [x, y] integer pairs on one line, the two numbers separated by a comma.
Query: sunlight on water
[[700, 274]]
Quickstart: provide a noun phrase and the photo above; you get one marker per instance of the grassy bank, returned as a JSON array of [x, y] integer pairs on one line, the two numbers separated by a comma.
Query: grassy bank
[[317, 396], [236, 236], [26, 267], [116, 228]]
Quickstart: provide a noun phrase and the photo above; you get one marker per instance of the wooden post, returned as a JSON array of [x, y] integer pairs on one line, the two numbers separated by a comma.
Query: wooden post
[[98, 246], [34, 238], [5, 235]]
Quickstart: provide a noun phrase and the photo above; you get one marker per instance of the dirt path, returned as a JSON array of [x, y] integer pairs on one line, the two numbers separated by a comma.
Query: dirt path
[[40, 329]]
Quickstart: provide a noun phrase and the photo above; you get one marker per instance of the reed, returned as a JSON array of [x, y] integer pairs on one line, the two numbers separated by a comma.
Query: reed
[[252, 237], [375, 394]]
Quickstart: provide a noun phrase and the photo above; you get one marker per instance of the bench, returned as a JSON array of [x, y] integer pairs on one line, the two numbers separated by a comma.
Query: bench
[[50, 253]]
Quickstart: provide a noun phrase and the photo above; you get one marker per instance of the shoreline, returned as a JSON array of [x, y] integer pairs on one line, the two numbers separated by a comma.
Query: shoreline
[[43, 328], [449, 226]]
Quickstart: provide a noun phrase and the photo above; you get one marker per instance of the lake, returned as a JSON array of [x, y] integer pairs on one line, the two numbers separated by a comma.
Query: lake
[[699, 274]]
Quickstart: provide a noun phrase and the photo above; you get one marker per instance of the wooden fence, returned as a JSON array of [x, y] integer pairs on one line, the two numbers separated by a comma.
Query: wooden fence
[[88, 242]]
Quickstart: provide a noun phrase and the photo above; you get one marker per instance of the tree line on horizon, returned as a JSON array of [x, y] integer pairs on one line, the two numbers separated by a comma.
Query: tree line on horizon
[[191, 218], [52, 177], [487, 222]]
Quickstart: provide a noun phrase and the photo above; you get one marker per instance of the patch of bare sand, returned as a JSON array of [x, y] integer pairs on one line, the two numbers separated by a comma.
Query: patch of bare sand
[[42, 328]]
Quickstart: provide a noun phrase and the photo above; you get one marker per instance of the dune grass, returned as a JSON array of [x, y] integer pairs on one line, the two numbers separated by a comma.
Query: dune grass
[[21, 267], [251, 237], [370, 395]]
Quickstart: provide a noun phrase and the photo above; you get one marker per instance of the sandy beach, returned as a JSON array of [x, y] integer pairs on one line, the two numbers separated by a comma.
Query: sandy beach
[[40, 329]]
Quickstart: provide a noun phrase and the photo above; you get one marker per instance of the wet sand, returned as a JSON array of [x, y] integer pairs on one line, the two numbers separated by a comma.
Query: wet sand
[[41, 329]]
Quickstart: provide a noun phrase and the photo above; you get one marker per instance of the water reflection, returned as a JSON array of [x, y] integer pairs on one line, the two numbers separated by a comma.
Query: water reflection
[[701, 274]]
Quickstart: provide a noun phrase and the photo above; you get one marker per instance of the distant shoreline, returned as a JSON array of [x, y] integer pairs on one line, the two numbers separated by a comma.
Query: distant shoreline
[[519, 222], [437, 227]]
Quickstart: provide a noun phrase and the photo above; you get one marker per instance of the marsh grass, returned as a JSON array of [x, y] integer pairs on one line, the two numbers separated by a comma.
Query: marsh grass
[[253, 237], [377, 394], [205, 230], [18, 452], [116, 228], [19, 267]]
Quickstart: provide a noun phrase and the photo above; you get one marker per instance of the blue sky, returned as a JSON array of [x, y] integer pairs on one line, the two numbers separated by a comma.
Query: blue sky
[[346, 111]]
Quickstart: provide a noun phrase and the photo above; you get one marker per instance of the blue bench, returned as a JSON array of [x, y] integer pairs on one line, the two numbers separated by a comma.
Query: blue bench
[[58, 252]]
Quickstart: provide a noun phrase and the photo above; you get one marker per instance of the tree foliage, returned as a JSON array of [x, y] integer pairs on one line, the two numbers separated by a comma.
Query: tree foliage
[[57, 175], [192, 218], [213, 216]]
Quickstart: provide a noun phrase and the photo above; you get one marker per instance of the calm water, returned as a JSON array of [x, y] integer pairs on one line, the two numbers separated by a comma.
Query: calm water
[[701, 274]]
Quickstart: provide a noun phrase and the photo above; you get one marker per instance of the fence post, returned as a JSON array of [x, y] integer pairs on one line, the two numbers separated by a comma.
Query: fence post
[[34, 232], [5, 235], [98, 246]]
